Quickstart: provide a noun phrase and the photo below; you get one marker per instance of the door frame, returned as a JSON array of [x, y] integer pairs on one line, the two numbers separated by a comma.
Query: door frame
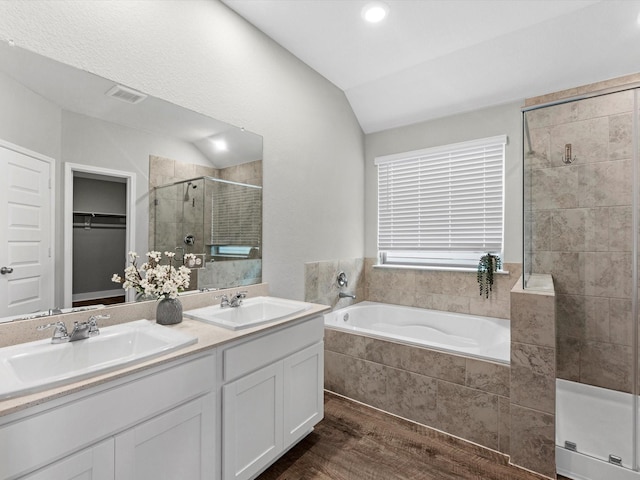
[[52, 205], [130, 179]]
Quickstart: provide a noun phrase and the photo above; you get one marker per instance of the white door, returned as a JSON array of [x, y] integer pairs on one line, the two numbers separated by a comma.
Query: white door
[[26, 261], [93, 463]]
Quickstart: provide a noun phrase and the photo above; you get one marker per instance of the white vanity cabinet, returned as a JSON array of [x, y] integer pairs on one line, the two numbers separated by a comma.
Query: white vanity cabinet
[[272, 396], [153, 425]]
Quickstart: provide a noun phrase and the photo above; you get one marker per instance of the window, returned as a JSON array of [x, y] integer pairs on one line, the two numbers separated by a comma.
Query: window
[[442, 206]]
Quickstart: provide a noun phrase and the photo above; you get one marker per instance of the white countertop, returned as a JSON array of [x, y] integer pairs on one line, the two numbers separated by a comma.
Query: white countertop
[[209, 336]]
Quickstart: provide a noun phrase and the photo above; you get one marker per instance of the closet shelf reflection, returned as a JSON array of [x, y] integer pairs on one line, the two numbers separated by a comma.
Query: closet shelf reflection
[[90, 220]]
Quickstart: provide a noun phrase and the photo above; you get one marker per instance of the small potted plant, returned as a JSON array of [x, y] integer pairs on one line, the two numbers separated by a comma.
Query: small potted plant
[[162, 281], [487, 266]]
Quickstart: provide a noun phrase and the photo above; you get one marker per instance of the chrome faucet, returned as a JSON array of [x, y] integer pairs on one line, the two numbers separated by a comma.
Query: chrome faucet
[[224, 300], [81, 330], [60, 334], [237, 298], [235, 301], [346, 295]]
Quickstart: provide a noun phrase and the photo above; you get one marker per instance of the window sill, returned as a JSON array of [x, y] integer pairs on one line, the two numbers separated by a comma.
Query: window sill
[[434, 268]]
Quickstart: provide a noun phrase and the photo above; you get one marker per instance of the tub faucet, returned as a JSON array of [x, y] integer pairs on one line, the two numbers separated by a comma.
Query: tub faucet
[[346, 295]]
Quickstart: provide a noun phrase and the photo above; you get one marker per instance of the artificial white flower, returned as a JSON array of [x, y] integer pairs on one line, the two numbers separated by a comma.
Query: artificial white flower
[[153, 278]]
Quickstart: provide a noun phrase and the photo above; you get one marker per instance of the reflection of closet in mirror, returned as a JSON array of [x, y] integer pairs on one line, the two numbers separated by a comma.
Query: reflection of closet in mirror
[[219, 220], [99, 238]]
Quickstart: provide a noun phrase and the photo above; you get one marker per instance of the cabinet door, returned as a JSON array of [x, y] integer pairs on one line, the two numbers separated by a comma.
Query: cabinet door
[[93, 463], [252, 423], [178, 444], [303, 392]]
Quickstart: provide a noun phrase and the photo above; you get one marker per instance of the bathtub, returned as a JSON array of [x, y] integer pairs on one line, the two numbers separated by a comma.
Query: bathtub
[[470, 335]]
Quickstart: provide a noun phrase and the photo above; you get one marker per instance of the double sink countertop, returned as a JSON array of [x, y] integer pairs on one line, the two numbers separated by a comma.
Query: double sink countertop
[[209, 336]]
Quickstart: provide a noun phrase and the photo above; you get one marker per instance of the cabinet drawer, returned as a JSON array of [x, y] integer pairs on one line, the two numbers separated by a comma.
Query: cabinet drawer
[[253, 354], [39, 439]]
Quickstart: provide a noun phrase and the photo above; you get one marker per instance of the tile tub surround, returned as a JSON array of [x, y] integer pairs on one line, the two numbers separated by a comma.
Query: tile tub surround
[[450, 291], [533, 377], [440, 289], [321, 282], [465, 397]]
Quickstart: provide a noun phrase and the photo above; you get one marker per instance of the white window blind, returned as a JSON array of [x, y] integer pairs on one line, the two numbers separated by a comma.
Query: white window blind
[[236, 214], [442, 206]]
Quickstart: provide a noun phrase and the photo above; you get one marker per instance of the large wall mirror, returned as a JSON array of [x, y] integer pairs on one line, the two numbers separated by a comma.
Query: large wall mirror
[[93, 169]]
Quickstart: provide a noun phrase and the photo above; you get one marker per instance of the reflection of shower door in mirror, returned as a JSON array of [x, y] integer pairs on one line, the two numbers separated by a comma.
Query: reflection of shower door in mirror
[[26, 262]]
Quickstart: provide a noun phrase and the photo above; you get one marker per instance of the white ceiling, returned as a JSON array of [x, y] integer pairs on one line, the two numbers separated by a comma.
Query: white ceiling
[[82, 92], [432, 58]]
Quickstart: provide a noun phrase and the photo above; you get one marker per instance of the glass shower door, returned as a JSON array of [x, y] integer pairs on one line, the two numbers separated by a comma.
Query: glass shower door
[[581, 227]]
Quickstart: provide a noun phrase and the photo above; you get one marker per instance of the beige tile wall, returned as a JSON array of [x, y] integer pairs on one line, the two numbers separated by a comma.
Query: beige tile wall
[[533, 378], [440, 290], [462, 396], [581, 232], [321, 284]]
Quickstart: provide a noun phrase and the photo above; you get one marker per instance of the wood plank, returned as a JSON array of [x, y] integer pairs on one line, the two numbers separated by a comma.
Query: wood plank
[[356, 442]]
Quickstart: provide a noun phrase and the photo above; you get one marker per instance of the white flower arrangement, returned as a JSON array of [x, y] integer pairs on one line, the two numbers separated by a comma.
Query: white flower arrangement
[[153, 278]]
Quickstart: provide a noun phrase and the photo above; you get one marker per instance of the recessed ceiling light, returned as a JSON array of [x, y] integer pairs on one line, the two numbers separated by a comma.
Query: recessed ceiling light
[[375, 12], [220, 145]]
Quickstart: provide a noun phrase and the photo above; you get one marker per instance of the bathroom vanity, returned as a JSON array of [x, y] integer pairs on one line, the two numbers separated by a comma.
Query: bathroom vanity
[[224, 408]]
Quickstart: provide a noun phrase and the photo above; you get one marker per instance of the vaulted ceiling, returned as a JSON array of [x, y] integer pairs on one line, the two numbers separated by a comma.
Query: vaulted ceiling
[[433, 58]]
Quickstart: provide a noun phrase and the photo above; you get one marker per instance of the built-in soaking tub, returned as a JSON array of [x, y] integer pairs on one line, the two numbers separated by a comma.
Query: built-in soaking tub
[[445, 370], [476, 336], [597, 423]]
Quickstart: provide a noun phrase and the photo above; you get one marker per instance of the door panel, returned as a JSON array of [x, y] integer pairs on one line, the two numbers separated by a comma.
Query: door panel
[[176, 445], [304, 394], [26, 232], [252, 423], [93, 463]]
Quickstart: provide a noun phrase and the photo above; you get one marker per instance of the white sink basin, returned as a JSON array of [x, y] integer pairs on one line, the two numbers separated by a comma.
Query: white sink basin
[[252, 312], [34, 366]]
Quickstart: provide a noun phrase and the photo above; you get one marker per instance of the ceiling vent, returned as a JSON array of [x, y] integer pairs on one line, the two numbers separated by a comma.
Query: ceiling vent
[[126, 94]]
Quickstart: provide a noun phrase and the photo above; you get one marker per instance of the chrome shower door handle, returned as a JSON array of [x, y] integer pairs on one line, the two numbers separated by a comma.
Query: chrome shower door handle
[[5, 270]]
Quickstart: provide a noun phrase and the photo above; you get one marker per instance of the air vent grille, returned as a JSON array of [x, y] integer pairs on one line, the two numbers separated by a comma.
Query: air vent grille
[[126, 94]]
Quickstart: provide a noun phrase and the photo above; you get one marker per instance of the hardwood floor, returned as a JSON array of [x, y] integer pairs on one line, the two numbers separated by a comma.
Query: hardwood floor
[[355, 442]]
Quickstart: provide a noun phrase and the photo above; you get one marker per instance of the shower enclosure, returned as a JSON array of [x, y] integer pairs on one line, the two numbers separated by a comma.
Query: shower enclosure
[[217, 220], [581, 226]]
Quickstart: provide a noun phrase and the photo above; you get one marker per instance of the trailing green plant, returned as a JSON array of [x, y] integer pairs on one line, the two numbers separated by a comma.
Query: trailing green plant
[[487, 266]]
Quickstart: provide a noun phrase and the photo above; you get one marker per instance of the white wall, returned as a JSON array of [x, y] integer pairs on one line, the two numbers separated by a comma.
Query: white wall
[[28, 120], [201, 55], [498, 120]]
